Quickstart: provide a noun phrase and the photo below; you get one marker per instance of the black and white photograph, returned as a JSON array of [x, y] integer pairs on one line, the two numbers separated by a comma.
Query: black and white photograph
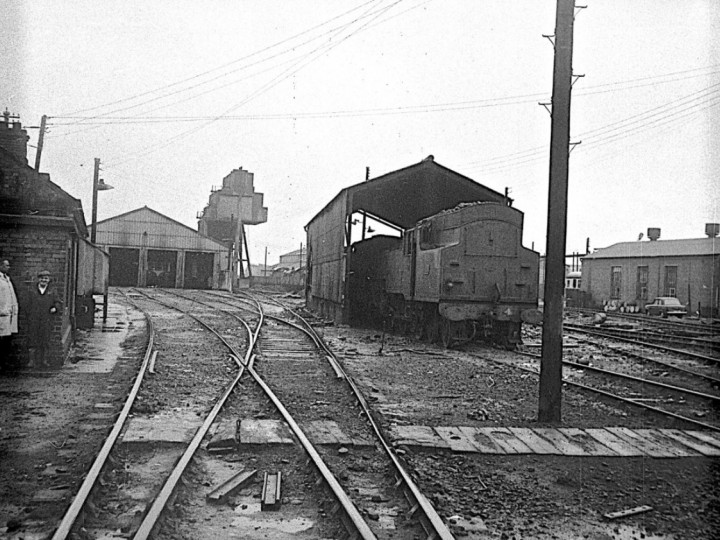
[[378, 269]]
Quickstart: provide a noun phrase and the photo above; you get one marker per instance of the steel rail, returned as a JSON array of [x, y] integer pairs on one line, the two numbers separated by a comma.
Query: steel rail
[[607, 394], [359, 524], [330, 357], [644, 344], [86, 487], [642, 358], [439, 529], [153, 515], [437, 525], [351, 510], [649, 382]]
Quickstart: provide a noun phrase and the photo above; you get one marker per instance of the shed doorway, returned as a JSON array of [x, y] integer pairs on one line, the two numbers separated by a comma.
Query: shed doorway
[[124, 267], [162, 268], [198, 270]]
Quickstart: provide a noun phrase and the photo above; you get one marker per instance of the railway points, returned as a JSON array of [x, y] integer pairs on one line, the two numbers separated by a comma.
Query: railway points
[[441, 412]]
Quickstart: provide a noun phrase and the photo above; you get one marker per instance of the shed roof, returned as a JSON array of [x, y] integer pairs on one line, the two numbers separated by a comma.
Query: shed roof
[[659, 248], [405, 196], [173, 228]]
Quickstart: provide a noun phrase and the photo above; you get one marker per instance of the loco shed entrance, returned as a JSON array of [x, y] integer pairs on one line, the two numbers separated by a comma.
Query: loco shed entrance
[[162, 268], [124, 264], [198, 270]]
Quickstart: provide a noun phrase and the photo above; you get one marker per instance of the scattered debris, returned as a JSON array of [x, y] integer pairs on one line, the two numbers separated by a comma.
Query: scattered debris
[[628, 512], [227, 488]]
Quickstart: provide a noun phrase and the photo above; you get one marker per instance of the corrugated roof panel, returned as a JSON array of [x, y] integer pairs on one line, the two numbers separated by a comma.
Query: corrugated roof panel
[[147, 228]]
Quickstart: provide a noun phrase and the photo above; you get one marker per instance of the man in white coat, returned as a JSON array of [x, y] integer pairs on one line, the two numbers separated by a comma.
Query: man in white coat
[[8, 312]]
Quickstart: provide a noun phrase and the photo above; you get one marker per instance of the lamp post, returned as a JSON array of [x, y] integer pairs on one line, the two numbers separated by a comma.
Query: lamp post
[[98, 185]]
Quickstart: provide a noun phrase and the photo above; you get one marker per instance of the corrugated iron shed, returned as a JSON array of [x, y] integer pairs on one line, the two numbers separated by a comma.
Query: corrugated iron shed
[[400, 198], [149, 228], [153, 244]]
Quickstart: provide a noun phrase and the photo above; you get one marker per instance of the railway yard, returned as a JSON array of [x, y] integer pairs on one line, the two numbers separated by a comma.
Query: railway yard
[[202, 415]]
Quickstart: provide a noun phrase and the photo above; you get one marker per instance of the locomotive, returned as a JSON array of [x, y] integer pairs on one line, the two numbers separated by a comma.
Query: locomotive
[[458, 275]]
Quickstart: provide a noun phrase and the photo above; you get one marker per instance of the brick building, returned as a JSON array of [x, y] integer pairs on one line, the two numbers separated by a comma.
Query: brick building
[[632, 274], [41, 227]]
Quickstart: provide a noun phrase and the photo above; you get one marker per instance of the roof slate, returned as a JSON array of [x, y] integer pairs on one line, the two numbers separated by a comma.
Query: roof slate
[[658, 248]]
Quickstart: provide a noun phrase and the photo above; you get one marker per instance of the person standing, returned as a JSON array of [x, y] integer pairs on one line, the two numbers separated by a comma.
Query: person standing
[[8, 312], [42, 307]]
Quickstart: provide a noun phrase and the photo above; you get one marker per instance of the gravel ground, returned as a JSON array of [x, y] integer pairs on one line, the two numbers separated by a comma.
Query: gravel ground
[[413, 383]]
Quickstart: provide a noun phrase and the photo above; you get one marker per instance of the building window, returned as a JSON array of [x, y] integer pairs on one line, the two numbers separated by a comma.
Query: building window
[[615, 281], [642, 282], [671, 281]]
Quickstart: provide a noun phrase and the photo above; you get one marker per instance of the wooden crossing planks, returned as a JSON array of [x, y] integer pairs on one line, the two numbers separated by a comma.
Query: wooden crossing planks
[[607, 442], [457, 440]]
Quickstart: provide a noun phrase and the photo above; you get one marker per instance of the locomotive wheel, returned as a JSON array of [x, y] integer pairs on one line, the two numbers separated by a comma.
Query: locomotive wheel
[[432, 329], [446, 333], [419, 330]]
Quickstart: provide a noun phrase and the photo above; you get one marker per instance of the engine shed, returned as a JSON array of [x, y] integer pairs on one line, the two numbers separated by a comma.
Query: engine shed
[[398, 199], [149, 249]]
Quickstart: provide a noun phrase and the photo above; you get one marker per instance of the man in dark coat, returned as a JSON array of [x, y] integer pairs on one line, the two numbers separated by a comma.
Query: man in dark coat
[[42, 307]]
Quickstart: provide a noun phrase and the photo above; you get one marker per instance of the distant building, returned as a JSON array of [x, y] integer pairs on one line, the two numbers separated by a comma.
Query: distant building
[[635, 273], [294, 260], [149, 249]]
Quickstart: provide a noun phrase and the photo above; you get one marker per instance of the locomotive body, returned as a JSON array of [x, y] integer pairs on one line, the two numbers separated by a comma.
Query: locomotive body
[[460, 274]]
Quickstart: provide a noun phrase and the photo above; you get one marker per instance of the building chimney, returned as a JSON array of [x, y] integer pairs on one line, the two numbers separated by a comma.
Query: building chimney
[[653, 233], [712, 229], [12, 137]]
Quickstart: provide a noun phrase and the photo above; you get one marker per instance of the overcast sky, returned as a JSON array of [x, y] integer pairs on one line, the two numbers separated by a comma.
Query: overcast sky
[[172, 95]]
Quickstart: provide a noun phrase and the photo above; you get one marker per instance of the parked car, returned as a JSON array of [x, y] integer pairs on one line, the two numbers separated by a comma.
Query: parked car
[[665, 306]]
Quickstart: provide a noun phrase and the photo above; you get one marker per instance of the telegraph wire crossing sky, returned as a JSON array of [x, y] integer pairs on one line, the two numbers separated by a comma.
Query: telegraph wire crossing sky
[[172, 96]]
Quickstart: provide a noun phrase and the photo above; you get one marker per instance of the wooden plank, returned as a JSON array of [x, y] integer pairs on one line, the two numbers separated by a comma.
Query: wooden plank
[[537, 444], [227, 488], [319, 433], [649, 447], [336, 432], [263, 431], [706, 437], [628, 512], [560, 441], [591, 445], [671, 445], [277, 432], [616, 444], [223, 435], [691, 442], [456, 439], [482, 441], [417, 436], [507, 440]]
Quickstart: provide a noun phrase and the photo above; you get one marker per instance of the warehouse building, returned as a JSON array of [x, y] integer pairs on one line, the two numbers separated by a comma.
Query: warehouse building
[[397, 200], [149, 249], [632, 274]]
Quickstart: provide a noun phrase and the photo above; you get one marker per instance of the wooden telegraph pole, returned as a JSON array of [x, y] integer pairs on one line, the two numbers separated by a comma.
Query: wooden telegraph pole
[[41, 140], [551, 363]]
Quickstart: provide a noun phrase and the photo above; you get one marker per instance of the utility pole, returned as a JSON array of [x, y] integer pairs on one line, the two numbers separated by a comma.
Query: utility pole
[[551, 364], [41, 139], [96, 181]]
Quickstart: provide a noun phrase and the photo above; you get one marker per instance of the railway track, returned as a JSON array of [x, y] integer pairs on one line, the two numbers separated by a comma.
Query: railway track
[[651, 330], [266, 372], [681, 389]]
